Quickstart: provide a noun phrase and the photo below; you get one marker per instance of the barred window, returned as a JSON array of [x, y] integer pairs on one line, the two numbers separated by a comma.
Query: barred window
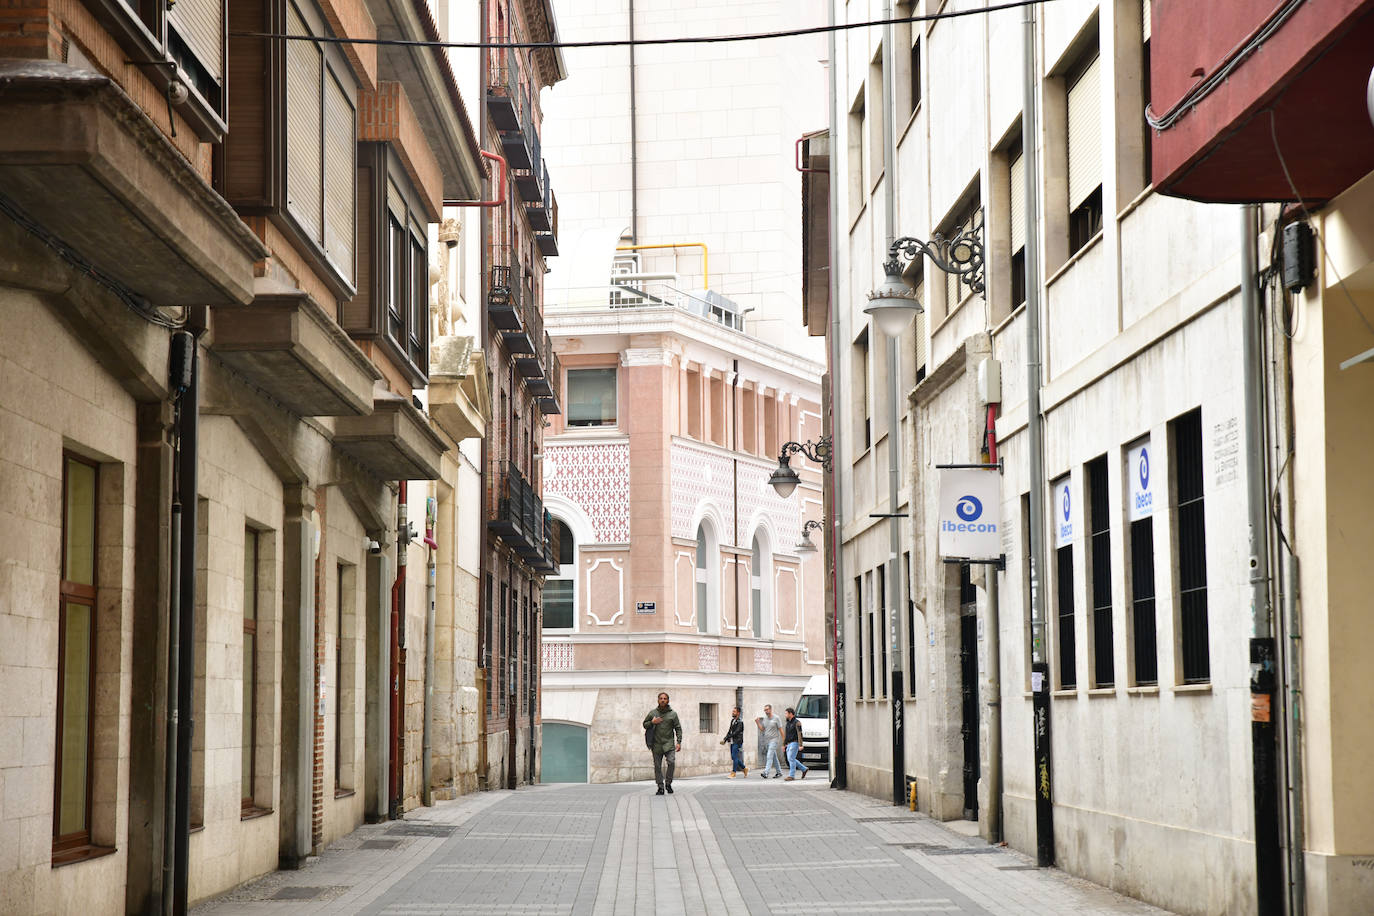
[[1191, 538], [1100, 573]]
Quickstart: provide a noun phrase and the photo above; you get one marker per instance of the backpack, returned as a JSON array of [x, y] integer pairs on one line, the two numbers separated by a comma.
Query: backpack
[[649, 736]]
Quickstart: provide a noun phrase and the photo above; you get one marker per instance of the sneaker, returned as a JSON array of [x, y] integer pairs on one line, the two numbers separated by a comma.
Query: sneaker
[[789, 779], [763, 776], [659, 792], [746, 771], [803, 776], [670, 790], [733, 775], [777, 775]]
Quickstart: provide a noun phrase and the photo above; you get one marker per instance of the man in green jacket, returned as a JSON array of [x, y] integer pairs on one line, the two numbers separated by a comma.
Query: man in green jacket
[[665, 740]]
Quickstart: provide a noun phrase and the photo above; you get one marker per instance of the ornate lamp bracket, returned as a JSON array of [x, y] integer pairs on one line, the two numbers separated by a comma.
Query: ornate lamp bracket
[[961, 255], [818, 451]]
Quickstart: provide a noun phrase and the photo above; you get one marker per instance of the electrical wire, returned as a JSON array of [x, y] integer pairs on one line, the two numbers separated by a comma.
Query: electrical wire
[[1283, 163], [637, 42], [132, 300], [1209, 83]]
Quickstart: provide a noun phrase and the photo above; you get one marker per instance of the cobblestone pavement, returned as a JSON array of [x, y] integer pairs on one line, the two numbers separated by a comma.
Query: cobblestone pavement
[[716, 846]]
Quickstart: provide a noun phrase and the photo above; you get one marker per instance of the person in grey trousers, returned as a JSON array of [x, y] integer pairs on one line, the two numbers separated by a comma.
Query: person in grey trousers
[[665, 741], [771, 727]]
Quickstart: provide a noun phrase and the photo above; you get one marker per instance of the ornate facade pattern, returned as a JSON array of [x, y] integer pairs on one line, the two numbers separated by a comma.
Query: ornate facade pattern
[[705, 475], [708, 658], [596, 476], [557, 656], [763, 661]]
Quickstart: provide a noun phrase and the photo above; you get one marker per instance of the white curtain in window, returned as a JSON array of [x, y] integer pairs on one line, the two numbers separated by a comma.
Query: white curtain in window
[[1018, 203], [1085, 135]]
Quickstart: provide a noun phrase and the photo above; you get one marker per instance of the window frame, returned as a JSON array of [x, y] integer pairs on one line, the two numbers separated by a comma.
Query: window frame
[[567, 572], [1101, 606], [74, 845], [569, 383], [1183, 502]]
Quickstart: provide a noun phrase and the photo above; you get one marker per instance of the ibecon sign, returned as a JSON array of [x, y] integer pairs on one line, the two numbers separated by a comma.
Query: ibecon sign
[[970, 522]]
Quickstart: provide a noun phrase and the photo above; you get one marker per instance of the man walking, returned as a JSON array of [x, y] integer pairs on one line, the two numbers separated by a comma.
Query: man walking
[[665, 740], [771, 727], [734, 736], [793, 739]]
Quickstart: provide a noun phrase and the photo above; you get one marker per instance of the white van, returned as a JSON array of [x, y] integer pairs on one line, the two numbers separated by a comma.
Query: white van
[[813, 710]]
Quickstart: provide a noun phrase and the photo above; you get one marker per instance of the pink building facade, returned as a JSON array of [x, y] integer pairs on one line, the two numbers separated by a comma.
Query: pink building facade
[[679, 563]]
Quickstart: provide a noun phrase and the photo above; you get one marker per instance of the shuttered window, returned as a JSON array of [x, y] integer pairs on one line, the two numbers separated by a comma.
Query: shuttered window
[[321, 145], [200, 23], [1018, 203], [920, 330], [1145, 18], [1085, 134]]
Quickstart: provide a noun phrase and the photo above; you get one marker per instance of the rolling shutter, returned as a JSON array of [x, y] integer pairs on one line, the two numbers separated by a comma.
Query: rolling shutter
[[1018, 203], [340, 149], [1145, 19], [921, 325], [1085, 135], [303, 184], [200, 23]]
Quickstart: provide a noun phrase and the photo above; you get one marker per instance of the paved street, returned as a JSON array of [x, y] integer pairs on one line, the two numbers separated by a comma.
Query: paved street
[[716, 846]]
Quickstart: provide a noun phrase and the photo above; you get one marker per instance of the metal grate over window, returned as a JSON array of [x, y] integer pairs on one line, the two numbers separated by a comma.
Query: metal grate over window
[[1068, 672], [1192, 548], [1100, 573], [1143, 601]]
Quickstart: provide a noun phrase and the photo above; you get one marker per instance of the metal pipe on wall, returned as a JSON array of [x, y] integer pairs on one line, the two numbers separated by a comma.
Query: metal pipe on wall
[[994, 670], [426, 760], [187, 459], [839, 777], [634, 135], [894, 581], [1035, 445]]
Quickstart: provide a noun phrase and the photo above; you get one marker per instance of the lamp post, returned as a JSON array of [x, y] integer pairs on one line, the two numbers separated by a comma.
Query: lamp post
[[784, 478]]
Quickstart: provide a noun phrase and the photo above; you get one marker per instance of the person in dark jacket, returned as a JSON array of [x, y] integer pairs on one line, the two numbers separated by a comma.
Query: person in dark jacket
[[793, 740], [734, 736], [665, 741]]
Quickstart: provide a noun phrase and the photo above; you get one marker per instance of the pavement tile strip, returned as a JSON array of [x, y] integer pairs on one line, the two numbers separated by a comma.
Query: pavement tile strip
[[713, 847]]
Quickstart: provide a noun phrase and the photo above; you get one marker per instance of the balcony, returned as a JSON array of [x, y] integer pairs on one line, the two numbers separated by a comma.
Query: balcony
[[503, 296], [1310, 72], [518, 517], [459, 400], [291, 348], [80, 158], [546, 560], [394, 442], [532, 366], [548, 241], [549, 403], [503, 88]]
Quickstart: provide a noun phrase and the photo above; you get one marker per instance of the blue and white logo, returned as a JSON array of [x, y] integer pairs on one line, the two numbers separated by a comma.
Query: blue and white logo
[[1144, 469], [1142, 498], [1066, 504], [968, 508]]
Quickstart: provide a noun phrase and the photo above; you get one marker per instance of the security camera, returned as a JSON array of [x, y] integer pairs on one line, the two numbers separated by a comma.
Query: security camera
[[177, 93], [373, 547]]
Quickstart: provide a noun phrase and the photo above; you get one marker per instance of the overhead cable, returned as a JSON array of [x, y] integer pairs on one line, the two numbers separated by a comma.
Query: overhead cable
[[622, 42]]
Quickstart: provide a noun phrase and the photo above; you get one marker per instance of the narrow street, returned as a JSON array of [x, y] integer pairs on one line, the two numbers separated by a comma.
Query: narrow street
[[716, 846]]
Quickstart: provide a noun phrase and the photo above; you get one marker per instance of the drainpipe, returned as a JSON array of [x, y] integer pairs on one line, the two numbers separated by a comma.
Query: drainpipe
[[187, 455], [182, 374], [431, 568], [634, 136], [894, 581], [734, 462], [839, 778], [398, 641], [1269, 889], [1035, 444], [994, 688]]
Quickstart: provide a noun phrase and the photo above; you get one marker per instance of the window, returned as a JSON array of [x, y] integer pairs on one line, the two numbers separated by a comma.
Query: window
[[756, 589], [910, 633], [1191, 537], [858, 365], [1017, 209], [321, 142], [591, 397], [963, 218], [877, 111], [718, 409], [1063, 557], [76, 628], [707, 581], [1100, 572], [248, 718], [1144, 652], [859, 636], [694, 404], [771, 446], [1084, 151], [706, 718], [345, 647], [499, 662], [857, 152], [488, 636], [881, 637], [558, 593]]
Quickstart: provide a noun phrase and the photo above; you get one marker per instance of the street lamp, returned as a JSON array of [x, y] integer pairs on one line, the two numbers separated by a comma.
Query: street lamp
[[784, 479], [894, 303], [807, 545]]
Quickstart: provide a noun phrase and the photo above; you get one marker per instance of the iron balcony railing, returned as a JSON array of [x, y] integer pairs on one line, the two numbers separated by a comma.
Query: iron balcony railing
[[504, 292], [518, 517], [550, 404]]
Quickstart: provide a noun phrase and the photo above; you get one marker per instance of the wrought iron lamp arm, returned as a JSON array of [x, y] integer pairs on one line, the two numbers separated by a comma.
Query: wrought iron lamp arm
[[812, 525], [818, 451], [961, 255]]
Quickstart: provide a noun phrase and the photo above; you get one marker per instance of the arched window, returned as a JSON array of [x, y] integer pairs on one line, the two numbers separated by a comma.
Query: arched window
[[560, 593], [760, 586], [707, 581]]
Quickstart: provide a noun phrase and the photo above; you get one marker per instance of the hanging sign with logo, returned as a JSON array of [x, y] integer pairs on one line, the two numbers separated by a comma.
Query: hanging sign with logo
[[1141, 476], [1062, 509], [971, 514]]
